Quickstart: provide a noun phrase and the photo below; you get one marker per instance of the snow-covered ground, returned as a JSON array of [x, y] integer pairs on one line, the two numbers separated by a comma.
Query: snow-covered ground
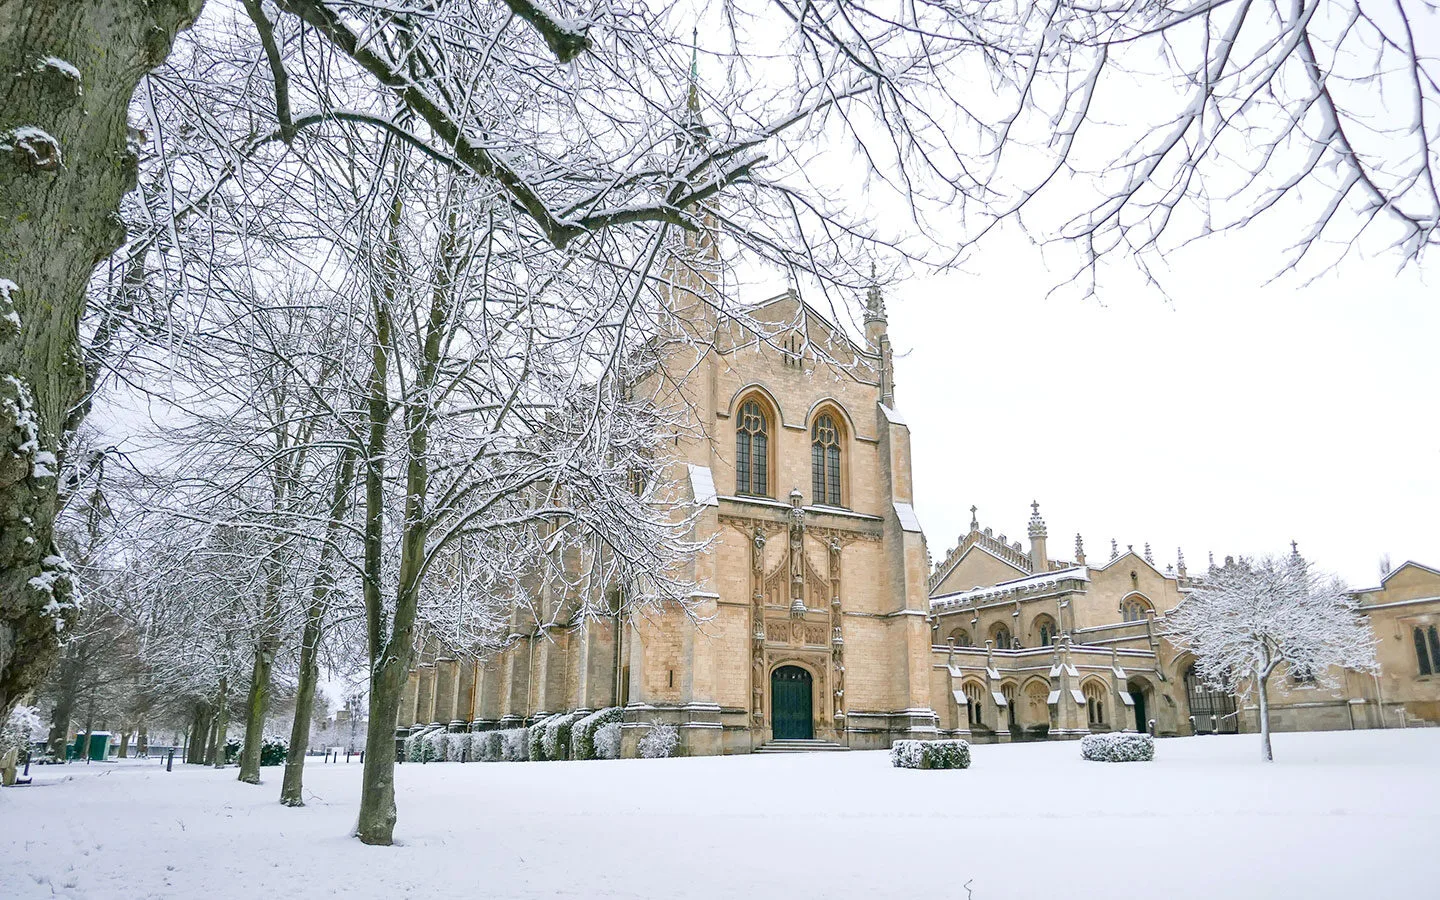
[[1353, 814]]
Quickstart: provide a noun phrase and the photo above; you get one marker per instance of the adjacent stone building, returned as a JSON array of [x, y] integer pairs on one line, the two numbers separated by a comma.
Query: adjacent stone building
[[816, 615]]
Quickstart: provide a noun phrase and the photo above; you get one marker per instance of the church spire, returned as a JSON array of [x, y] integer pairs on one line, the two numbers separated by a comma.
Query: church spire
[[877, 338], [692, 100], [874, 302]]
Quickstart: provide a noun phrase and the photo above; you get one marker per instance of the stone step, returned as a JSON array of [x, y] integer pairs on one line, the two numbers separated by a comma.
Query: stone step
[[800, 746]]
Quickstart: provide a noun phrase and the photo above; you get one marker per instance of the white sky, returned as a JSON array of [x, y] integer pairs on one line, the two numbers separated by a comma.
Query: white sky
[[1233, 419]]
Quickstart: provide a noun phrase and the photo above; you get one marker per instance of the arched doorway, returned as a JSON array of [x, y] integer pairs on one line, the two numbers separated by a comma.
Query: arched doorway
[[1211, 711], [1137, 690], [790, 704]]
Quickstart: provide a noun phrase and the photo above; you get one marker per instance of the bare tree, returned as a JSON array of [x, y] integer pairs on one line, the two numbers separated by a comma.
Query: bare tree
[[1252, 617]]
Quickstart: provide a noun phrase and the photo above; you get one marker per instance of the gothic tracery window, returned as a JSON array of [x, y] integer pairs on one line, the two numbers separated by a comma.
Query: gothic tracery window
[[825, 461], [1002, 638], [972, 703], [1094, 704], [1134, 610], [752, 451], [961, 637]]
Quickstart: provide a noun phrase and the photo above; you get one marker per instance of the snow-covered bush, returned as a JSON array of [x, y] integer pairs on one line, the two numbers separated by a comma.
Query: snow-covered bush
[[1117, 747], [19, 730], [232, 750], [582, 734], [930, 754], [457, 748], [488, 746], [272, 751], [660, 741], [607, 741], [422, 745], [515, 744], [435, 743], [558, 730], [535, 742]]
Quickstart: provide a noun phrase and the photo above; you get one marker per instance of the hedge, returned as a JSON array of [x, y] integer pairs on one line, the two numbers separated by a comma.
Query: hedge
[[558, 730], [607, 741], [930, 754], [1117, 747], [582, 734], [515, 744], [535, 741]]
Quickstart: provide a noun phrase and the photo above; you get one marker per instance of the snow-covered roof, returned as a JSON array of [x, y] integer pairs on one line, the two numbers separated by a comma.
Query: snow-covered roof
[[1029, 584], [702, 485], [908, 520], [1409, 563]]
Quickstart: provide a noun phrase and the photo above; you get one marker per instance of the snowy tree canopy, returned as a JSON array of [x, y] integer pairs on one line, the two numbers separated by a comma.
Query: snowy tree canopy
[[1251, 617]]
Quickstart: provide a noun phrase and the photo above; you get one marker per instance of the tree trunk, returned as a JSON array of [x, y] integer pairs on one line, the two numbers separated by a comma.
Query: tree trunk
[[256, 704], [71, 67], [222, 725], [292, 790], [198, 739], [122, 750], [142, 741], [1265, 752], [376, 824], [207, 756], [89, 731], [63, 712]]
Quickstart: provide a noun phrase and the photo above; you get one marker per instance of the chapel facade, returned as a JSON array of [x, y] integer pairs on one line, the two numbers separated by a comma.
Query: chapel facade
[[816, 615]]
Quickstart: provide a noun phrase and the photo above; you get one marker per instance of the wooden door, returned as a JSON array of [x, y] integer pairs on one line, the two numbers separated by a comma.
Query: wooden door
[[790, 704]]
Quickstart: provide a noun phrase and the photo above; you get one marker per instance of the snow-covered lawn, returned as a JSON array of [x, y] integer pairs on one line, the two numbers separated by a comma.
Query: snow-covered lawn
[[1353, 814]]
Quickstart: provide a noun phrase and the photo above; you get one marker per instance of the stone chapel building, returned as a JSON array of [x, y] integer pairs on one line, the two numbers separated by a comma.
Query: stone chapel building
[[820, 618]]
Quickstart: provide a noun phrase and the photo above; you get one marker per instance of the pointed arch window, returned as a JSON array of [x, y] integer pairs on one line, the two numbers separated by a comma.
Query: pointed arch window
[[1095, 704], [1002, 638], [960, 637], [1425, 657], [972, 704], [1045, 626], [752, 451], [1134, 610], [825, 461]]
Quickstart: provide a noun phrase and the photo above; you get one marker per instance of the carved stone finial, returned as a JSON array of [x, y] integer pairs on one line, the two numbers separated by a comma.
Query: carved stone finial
[[974, 521], [1079, 549], [1149, 558], [1037, 524], [1114, 549]]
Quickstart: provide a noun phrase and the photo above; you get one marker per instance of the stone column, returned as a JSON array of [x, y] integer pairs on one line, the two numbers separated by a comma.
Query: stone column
[[425, 697], [407, 718]]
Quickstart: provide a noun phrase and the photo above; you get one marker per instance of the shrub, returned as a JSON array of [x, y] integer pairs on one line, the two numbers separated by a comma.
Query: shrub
[[660, 741], [415, 746], [488, 746], [434, 743], [272, 751], [535, 741], [19, 729], [442, 745], [930, 754], [558, 730], [458, 747], [514, 744], [1118, 747], [232, 750], [582, 734], [607, 741]]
